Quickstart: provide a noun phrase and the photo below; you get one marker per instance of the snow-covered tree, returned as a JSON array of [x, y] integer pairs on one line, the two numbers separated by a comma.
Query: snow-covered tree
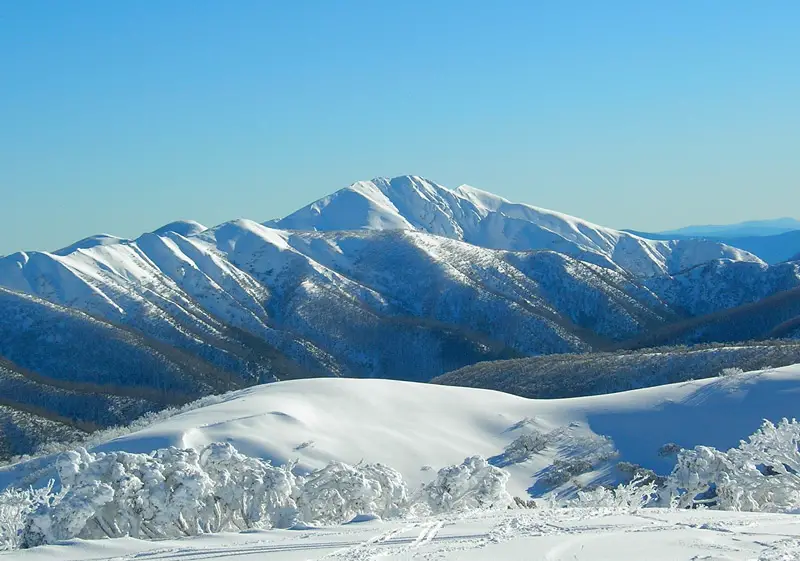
[[339, 492], [15, 507], [761, 474], [629, 497], [168, 493], [173, 492], [525, 446], [474, 484]]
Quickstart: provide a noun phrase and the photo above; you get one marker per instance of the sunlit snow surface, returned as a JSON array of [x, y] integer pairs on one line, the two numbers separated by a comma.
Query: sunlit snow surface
[[409, 426], [418, 428], [568, 535]]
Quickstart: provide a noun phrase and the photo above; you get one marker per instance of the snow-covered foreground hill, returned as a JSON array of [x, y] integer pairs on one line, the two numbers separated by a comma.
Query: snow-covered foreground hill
[[420, 428], [567, 535]]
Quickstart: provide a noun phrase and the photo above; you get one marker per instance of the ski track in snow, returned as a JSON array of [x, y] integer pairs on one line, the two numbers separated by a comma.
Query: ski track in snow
[[564, 535]]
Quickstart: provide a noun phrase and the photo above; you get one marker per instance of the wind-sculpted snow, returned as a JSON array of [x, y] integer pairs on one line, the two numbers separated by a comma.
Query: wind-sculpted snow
[[174, 492], [419, 428]]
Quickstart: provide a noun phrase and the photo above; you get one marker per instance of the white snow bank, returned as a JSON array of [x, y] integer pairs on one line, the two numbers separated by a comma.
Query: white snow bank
[[409, 426], [419, 428], [656, 535]]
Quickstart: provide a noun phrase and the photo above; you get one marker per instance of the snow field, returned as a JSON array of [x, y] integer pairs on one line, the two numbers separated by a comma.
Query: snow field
[[565, 535], [416, 429]]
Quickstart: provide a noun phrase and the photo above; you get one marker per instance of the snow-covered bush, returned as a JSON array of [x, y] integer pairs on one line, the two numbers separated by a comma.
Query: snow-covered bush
[[761, 474], [525, 446], [629, 497], [475, 484], [168, 493], [562, 470], [173, 492], [583, 453], [15, 507], [636, 472], [339, 492], [669, 449], [733, 371]]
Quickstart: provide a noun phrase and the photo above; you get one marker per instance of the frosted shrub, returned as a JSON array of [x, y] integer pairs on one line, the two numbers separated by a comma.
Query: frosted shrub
[[525, 446], [173, 492], [669, 449], [252, 492], [339, 492], [627, 498], [15, 507], [168, 493], [563, 470], [475, 484], [761, 474], [728, 372], [636, 472]]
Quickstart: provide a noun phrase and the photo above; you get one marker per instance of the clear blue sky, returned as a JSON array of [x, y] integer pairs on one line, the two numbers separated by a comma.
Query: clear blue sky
[[119, 116]]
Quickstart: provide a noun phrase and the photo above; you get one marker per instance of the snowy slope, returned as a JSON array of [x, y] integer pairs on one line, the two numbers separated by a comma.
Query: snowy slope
[[423, 302], [484, 219], [409, 426], [567, 535], [255, 304]]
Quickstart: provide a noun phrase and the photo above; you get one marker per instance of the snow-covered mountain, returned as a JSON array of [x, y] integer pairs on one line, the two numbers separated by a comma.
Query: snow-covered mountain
[[742, 229], [483, 219], [393, 278], [400, 304], [772, 248]]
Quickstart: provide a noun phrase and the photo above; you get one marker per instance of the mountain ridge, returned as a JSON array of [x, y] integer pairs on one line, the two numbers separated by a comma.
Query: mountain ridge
[[481, 218], [403, 294]]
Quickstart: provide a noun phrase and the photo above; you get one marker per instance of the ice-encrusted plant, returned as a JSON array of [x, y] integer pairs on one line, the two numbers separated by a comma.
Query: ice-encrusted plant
[[761, 474]]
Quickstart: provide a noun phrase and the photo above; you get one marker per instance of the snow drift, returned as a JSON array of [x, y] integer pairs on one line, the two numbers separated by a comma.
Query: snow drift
[[326, 451], [418, 429]]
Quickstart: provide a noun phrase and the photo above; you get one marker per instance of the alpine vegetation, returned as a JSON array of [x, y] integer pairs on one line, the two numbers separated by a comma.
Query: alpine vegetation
[[185, 492], [762, 474], [175, 492]]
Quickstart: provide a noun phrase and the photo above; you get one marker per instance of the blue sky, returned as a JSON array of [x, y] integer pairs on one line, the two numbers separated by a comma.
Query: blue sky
[[121, 116]]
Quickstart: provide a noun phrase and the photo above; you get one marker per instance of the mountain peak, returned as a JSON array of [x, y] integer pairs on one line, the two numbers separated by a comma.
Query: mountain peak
[[184, 228], [481, 218], [88, 243]]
